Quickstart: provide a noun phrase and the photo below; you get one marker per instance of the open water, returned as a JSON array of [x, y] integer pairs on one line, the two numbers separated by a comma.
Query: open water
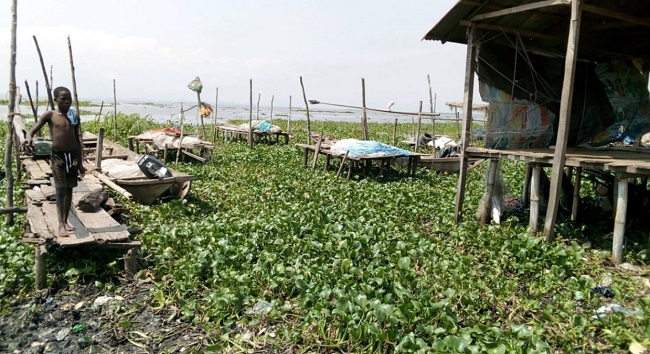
[[170, 112]]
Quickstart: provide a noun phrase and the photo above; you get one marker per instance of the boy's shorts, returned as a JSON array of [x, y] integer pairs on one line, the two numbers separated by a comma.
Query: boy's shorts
[[64, 169]]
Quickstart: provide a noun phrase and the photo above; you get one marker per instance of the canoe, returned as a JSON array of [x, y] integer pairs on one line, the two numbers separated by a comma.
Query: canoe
[[141, 188]]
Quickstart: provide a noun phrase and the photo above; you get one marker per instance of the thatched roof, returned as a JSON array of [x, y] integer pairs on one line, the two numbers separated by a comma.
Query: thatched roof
[[608, 29]]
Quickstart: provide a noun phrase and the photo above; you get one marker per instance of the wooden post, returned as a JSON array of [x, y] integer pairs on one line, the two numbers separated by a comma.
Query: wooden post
[[35, 116], [525, 194], [304, 96], [10, 117], [115, 112], [74, 80], [180, 140], [576, 194], [345, 158], [467, 121], [198, 109], [31, 103], [364, 119], [395, 132], [39, 265], [417, 132], [99, 149], [317, 152], [489, 192], [271, 117], [619, 222], [250, 117], [130, 262], [534, 197], [289, 118], [47, 82], [559, 157], [430, 95], [216, 106]]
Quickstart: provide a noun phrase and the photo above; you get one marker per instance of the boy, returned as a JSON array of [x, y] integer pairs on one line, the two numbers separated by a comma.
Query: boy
[[67, 154]]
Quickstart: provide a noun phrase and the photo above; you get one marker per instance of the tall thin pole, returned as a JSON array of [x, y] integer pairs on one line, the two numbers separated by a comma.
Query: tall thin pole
[[216, 106], [10, 116], [250, 117], [304, 96], [198, 111], [114, 112], [47, 82], [559, 156], [417, 134], [271, 119], [36, 93], [259, 96], [180, 140], [430, 93], [31, 102], [364, 119], [74, 80], [289, 120]]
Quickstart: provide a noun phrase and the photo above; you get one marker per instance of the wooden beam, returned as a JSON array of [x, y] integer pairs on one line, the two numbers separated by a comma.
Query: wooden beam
[[521, 8], [485, 26], [619, 221], [617, 15], [470, 67], [559, 156]]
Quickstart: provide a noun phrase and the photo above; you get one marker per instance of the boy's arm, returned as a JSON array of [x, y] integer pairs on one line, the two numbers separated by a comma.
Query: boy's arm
[[80, 151], [44, 118]]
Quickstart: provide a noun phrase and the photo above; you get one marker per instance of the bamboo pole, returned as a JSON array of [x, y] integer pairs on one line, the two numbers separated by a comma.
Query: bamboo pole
[[10, 117], [375, 109], [114, 112], [470, 66], [37, 104], [74, 80], [216, 106], [417, 134], [395, 132], [99, 149], [576, 194], [304, 96], [259, 96], [559, 156], [619, 221], [533, 218], [271, 119], [345, 158], [250, 116], [31, 102], [180, 140], [317, 151], [107, 181], [47, 82], [364, 119], [430, 94], [289, 118], [101, 108], [51, 75]]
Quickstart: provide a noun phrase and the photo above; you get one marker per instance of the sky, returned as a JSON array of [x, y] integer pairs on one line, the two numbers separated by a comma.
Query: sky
[[153, 49]]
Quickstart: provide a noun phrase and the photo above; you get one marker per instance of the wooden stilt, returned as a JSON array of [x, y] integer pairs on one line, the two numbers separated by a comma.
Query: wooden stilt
[[130, 262], [525, 194], [417, 132], [534, 198], [39, 266], [364, 118], [395, 132], [304, 96], [559, 157], [165, 150], [470, 64], [489, 191], [317, 152], [351, 166], [250, 118], [619, 222], [345, 158], [99, 149], [576, 194]]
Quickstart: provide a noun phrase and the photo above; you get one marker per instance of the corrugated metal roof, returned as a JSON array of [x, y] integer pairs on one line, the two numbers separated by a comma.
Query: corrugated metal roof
[[609, 28]]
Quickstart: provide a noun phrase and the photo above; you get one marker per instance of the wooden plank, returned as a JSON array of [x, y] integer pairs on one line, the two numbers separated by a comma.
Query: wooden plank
[[470, 66], [565, 119], [37, 224], [521, 8]]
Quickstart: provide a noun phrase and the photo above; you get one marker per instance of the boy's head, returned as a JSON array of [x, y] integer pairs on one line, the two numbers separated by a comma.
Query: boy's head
[[63, 98]]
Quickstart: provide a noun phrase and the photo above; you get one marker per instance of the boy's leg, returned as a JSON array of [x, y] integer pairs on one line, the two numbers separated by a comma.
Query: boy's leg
[[67, 206], [61, 211]]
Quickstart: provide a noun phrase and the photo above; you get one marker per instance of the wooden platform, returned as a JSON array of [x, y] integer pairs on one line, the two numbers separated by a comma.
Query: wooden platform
[[91, 229], [200, 152], [232, 133], [353, 162], [624, 163]]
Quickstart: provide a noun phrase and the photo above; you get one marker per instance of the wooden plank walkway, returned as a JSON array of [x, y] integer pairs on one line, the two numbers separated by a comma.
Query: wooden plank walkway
[[91, 229]]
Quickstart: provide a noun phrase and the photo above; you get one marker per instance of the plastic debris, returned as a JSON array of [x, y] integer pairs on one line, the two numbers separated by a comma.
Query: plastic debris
[[78, 328], [262, 308], [616, 307], [102, 300], [605, 291], [62, 334]]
